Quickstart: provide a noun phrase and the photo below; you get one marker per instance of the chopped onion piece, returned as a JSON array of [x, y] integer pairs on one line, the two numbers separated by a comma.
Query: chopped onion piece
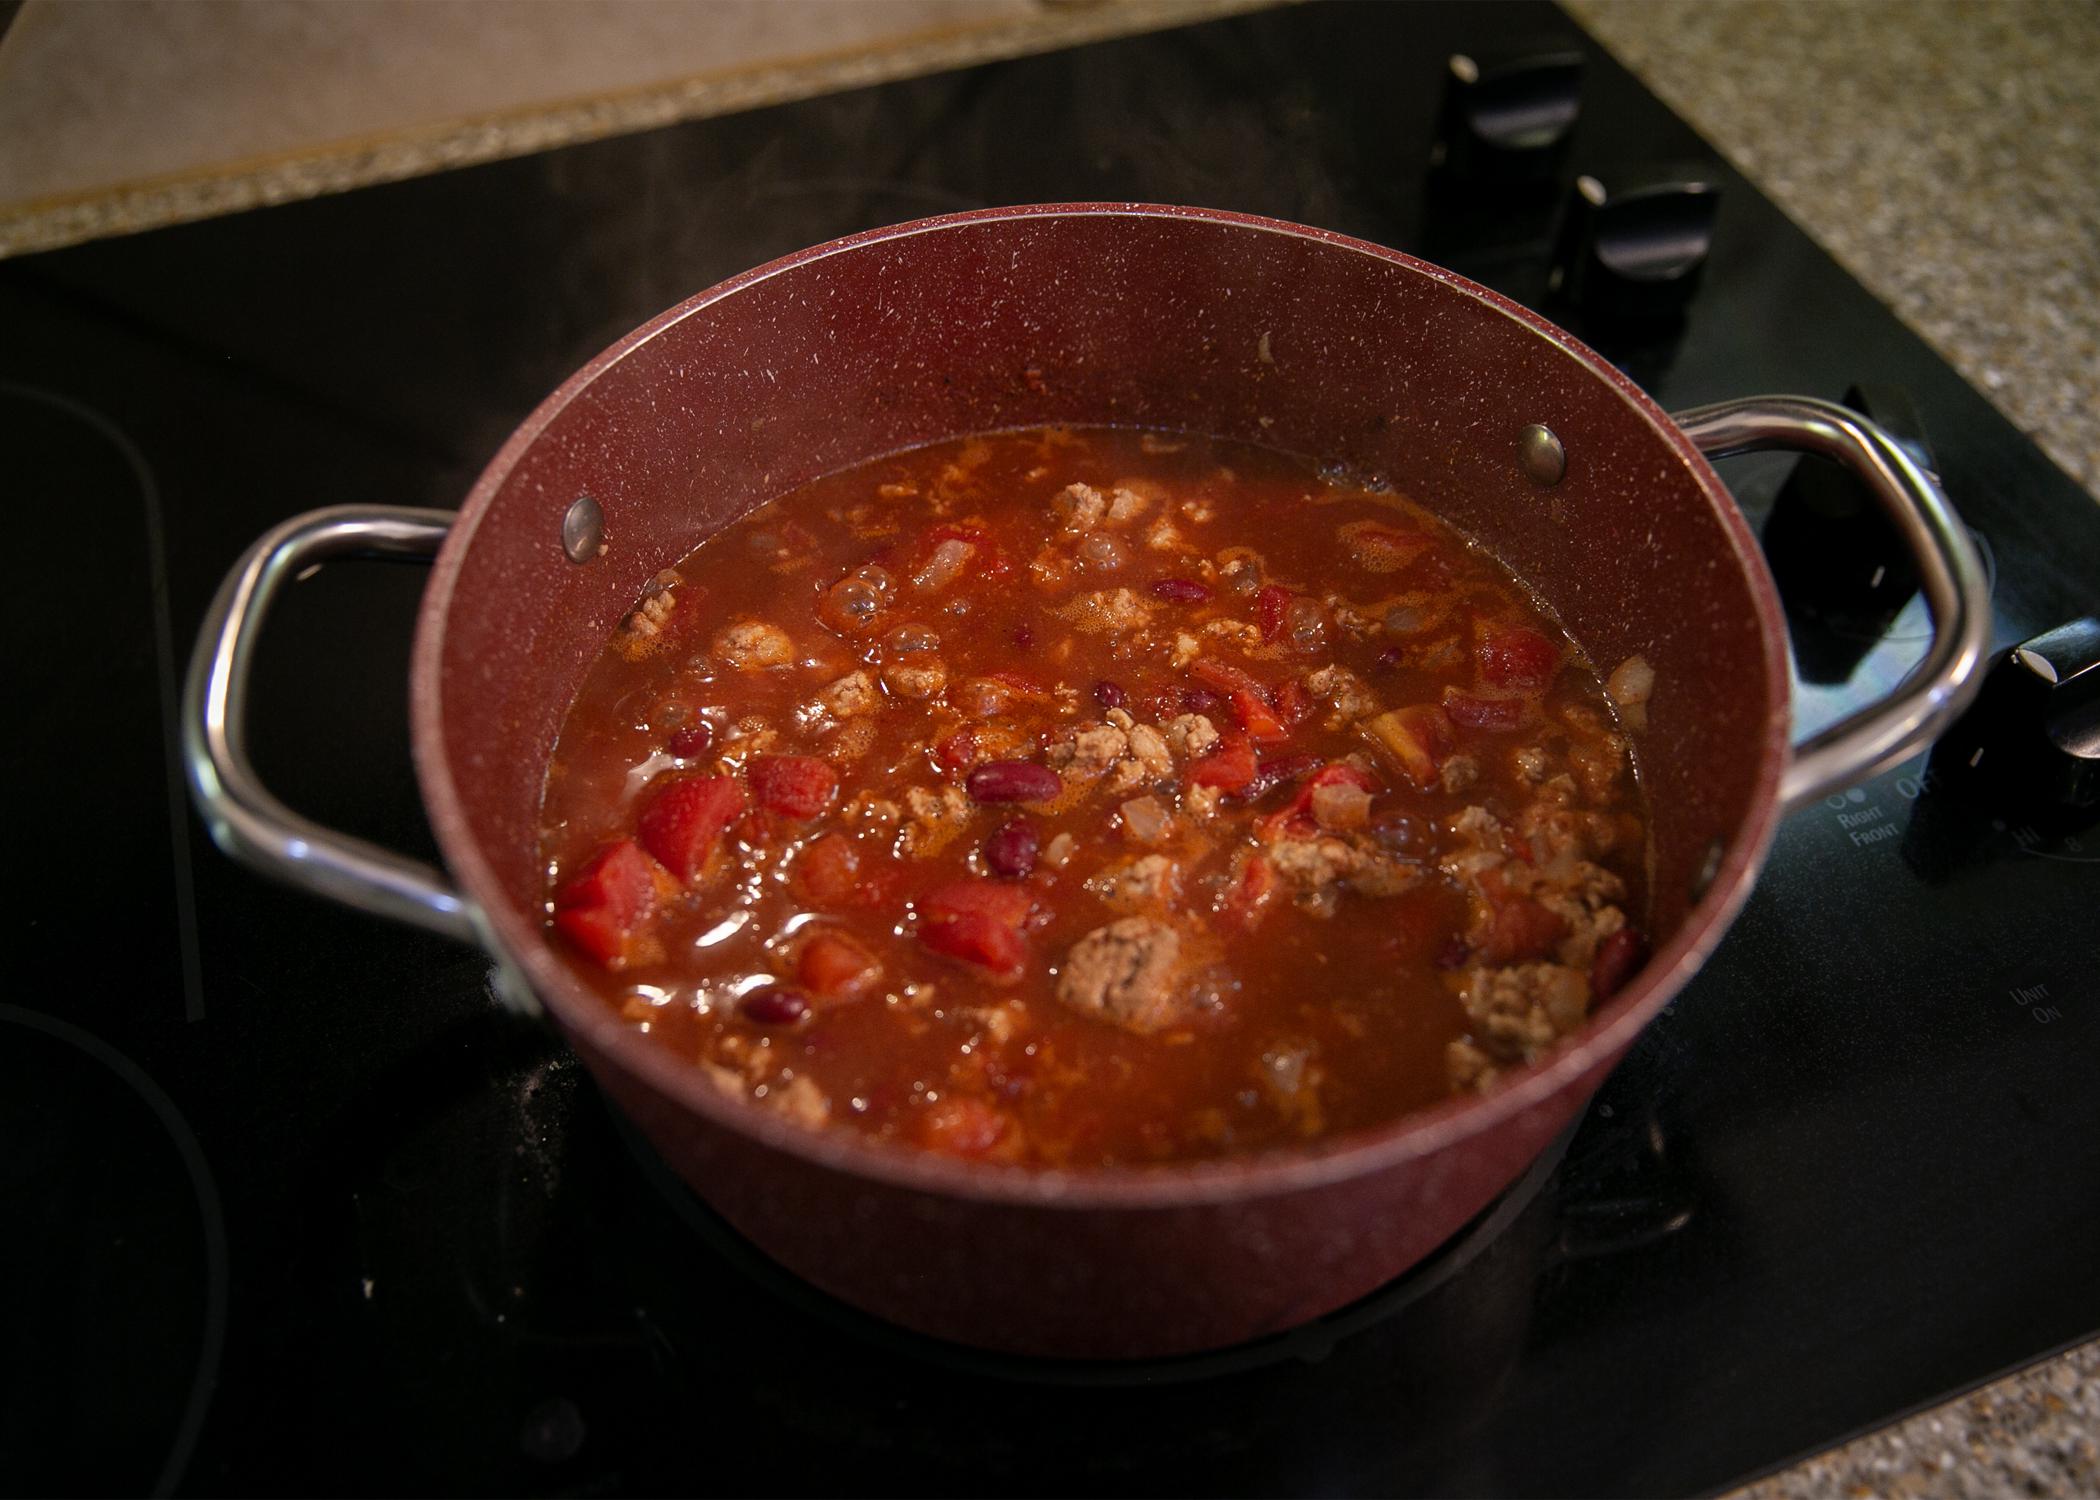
[[907, 640], [1341, 807], [1101, 551], [1146, 820], [944, 567], [1631, 684], [1632, 681]]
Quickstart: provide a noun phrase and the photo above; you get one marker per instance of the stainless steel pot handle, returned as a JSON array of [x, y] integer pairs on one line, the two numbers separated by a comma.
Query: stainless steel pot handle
[[1942, 685], [244, 819]]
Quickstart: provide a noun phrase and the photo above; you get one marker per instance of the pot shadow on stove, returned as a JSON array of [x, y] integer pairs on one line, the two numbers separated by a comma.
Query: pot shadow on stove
[[1397, 1391], [531, 1300], [439, 1266], [1415, 1362]]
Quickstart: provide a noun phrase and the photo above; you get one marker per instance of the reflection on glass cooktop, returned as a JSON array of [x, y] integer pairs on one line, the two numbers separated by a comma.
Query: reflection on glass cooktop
[[297, 1206]]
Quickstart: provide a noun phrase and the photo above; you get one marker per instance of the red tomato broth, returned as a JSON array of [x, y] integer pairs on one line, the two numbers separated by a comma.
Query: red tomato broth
[[1297, 1010]]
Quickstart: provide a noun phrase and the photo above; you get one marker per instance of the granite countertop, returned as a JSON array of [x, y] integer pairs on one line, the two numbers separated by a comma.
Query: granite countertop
[[1947, 152]]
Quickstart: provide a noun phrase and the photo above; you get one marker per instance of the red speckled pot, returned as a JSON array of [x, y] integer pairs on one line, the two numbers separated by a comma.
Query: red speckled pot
[[1174, 318]]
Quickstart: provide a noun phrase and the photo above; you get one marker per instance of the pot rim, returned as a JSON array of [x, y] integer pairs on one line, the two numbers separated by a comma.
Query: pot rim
[[1411, 1136]]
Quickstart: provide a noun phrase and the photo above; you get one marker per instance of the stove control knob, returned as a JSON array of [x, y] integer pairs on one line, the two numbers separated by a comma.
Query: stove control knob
[[1507, 123], [1834, 552], [2033, 735], [1633, 253]]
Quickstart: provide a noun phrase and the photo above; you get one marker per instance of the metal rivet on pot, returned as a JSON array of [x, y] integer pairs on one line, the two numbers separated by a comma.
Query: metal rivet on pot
[[1709, 867], [583, 529], [1541, 454]]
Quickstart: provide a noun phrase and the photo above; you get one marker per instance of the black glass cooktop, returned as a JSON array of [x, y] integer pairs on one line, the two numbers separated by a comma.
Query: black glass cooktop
[[290, 1204]]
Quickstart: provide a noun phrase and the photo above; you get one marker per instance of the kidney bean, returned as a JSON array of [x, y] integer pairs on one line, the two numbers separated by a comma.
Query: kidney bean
[[1022, 636], [1388, 659], [1617, 959], [1294, 705], [1012, 781], [693, 741], [1201, 700], [1282, 768], [1498, 714], [1270, 608], [1012, 849], [774, 1005], [1110, 695], [1180, 591]]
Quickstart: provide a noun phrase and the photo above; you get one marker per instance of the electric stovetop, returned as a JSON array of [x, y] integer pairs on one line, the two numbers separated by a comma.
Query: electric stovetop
[[292, 1204]]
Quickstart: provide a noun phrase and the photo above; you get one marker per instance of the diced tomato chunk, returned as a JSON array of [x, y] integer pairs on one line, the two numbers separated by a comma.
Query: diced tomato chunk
[[1618, 958], [827, 871], [1249, 896], [1379, 548], [798, 786], [1342, 773], [961, 1126], [1230, 768], [1296, 814], [1002, 903], [1294, 705], [958, 751], [979, 922], [1497, 715], [605, 906], [1022, 683], [1516, 656], [834, 967], [1249, 699], [977, 939], [1226, 678], [1275, 770], [1257, 718], [833, 872], [1522, 931], [682, 823]]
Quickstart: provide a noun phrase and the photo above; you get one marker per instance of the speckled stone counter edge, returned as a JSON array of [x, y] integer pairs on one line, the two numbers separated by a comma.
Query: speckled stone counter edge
[[2036, 1432], [52, 223], [1945, 152]]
